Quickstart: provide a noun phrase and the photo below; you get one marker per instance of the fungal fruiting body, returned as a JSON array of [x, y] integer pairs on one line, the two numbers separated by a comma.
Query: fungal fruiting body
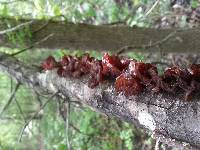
[[131, 77]]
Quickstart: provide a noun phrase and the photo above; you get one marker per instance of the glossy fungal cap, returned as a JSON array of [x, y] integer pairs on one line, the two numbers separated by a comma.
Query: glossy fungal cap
[[49, 63], [128, 85]]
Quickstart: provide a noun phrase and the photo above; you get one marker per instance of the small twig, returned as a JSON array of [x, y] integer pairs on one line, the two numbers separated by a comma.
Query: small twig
[[16, 27], [79, 131], [67, 125], [20, 109], [151, 9], [130, 47], [18, 105], [35, 114], [33, 45], [41, 27], [47, 22], [10, 99], [38, 98], [22, 113]]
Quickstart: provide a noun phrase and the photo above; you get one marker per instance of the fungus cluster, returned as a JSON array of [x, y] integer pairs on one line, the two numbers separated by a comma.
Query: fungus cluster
[[131, 77]]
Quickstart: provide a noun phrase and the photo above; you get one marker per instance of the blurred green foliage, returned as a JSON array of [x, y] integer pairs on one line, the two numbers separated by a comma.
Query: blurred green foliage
[[18, 37], [87, 11]]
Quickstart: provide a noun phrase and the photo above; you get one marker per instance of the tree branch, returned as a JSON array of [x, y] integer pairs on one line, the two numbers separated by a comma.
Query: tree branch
[[104, 37], [150, 45], [33, 45], [35, 114], [167, 115], [10, 99], [15, 28], [152, 8]]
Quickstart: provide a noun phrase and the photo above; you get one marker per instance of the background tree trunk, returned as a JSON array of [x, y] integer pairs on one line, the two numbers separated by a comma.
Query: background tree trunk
[[105, 37]]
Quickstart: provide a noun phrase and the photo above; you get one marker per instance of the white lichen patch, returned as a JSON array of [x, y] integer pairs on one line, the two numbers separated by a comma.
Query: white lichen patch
[[140, 111], [52, 81], [42, 78], [146, 119], [46, 79]]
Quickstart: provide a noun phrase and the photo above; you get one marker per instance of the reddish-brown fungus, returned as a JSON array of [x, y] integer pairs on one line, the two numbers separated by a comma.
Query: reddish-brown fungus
[[130, 76]]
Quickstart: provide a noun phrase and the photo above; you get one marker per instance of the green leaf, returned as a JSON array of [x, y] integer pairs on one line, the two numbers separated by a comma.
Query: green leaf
[[5, 10], [61, 147], [56, 10], [194, 4]]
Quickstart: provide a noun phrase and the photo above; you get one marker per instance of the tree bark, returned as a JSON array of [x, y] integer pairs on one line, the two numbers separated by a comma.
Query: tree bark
[[171, 119], [104, 37]]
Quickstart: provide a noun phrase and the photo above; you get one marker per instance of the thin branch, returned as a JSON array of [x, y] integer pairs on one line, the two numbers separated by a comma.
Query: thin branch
[[67, 125], [157, 43], [11, 85], [77, 130], [33, 45], [41, 27], [22, 113], [152, 8], [47, 22], [18, 105], [16, 27], [20, 109], [36, 113], [38, 98], [10, 99]]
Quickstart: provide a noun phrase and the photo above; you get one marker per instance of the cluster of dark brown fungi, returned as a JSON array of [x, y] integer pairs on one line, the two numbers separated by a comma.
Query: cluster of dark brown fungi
[[131, 77]]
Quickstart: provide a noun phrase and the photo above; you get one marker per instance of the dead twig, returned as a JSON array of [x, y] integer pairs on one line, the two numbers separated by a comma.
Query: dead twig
[[152, 8], [18, 105], [35, 114], [22, 113], [33, 45], [20, 109], [131, 47], [47, 22], [16, 27], [41, 27], [11, 98]]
